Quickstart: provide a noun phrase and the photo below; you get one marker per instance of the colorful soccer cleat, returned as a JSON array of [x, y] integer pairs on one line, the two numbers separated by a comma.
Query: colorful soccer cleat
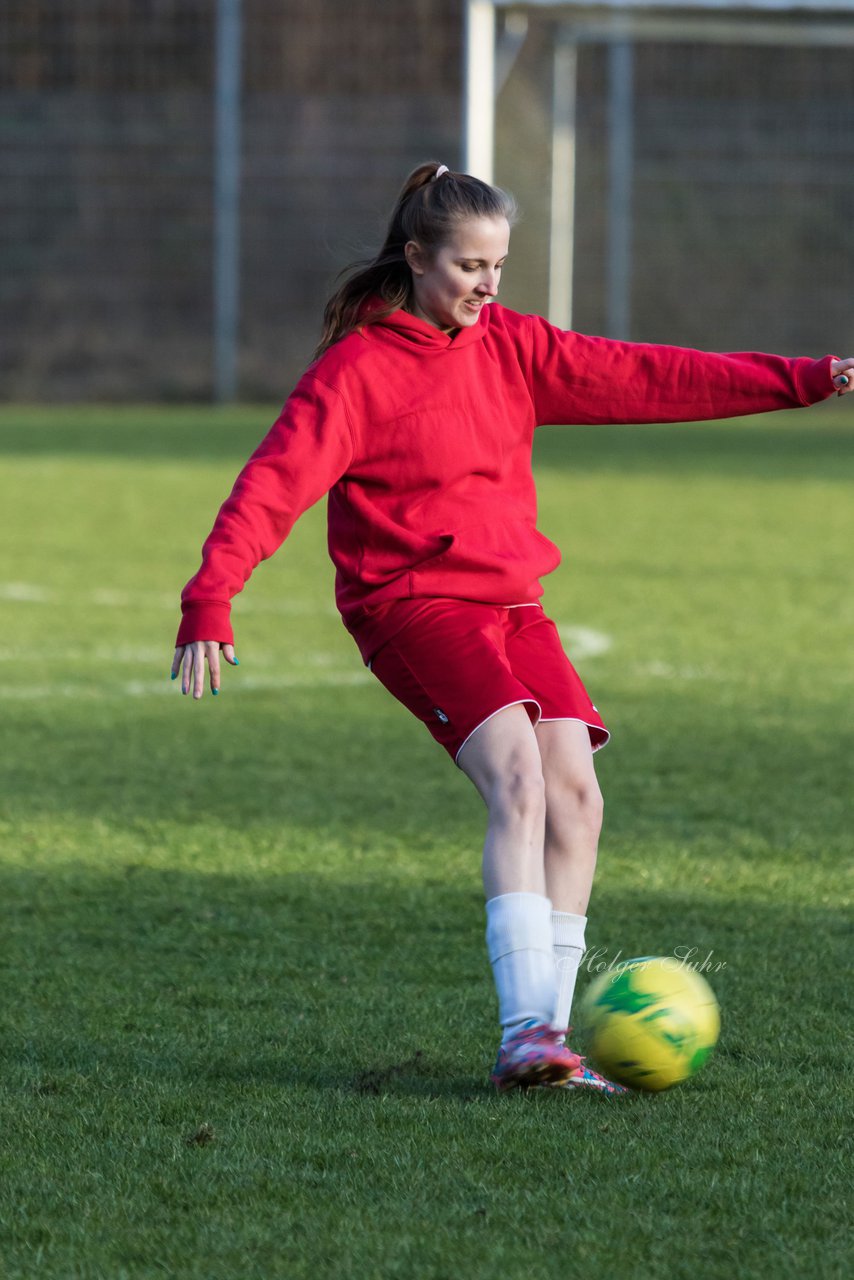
[[532, 1056], [585, 1078]]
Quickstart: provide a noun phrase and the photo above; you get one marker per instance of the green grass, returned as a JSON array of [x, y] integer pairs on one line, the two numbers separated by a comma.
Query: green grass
[[247, 1017]]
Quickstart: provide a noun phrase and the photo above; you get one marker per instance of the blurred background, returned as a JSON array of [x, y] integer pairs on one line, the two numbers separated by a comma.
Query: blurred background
[[742, 183]]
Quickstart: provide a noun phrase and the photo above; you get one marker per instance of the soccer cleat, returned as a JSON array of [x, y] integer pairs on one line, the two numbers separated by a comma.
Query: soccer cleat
[[585, 1078], [533, 1056]]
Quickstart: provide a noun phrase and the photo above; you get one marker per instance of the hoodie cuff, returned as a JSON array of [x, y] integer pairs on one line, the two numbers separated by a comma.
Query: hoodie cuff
[[205, 620], [815, 381]]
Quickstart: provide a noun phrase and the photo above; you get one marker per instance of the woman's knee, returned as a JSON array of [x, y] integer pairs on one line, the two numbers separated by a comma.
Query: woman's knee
[[519, 791], [575, 799]]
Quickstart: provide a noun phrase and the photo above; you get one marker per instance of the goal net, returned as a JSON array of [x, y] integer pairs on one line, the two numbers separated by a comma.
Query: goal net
[[712, 185]]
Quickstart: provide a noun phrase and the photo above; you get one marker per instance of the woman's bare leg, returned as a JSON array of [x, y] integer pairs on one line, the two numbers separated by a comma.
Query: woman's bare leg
[[573, 813], [502, 759], [573, 823]]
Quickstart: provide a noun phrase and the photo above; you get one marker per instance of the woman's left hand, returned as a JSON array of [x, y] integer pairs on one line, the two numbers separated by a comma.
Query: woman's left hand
[[840, 369]]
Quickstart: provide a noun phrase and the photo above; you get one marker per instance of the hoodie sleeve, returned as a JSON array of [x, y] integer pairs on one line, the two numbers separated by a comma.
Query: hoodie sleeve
[[579, 379], [306, 451]]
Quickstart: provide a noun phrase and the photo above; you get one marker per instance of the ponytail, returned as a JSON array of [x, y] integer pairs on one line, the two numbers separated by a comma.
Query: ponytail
[[431, 203]]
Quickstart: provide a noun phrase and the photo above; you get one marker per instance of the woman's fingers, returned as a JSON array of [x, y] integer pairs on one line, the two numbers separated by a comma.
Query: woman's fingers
[[193, 669], [188, 667], [212, 655], [190, 660], [199, 669], [176, 662], [842, 372]]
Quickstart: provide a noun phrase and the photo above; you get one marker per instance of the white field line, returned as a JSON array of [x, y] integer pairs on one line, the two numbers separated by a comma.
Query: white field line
[[152, 655], [667, 671], [24, 593], [584, 642], [129, 655], [108, 598], [149, 688]]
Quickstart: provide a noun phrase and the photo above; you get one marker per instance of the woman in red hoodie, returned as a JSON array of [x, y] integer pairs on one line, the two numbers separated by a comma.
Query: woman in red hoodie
[[417, 419]]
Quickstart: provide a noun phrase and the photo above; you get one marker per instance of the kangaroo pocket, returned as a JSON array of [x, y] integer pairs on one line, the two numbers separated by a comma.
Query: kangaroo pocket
[[501, 561]]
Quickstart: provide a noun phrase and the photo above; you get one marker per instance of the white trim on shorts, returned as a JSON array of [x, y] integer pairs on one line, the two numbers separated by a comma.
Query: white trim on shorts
[[519, 702], [598, 727]]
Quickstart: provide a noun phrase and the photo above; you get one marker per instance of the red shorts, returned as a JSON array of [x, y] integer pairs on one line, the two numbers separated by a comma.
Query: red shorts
[[455, 663]]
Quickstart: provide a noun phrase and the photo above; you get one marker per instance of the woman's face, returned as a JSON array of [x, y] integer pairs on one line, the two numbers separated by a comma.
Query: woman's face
[[451, 285]]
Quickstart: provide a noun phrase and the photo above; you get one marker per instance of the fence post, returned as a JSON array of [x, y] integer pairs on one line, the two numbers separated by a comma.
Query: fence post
[[226, 251], [562, 240], [479, 89], [620, 164]]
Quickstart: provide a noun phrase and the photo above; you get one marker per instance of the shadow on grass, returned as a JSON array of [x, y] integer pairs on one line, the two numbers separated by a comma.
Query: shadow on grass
[[132, 978], [251, 899]]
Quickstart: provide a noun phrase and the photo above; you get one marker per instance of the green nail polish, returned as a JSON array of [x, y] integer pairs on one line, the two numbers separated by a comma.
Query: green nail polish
[[174, 675], [237, 662], [214, 692]]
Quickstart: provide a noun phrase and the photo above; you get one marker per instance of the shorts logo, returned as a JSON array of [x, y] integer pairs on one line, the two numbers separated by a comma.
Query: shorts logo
[[440, 715]]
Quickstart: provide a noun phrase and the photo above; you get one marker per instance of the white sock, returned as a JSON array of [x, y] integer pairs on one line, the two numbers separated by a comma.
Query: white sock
[[568, 933], [519, 943]]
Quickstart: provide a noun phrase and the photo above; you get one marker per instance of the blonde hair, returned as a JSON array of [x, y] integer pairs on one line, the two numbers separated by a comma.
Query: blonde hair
[[432, 203]]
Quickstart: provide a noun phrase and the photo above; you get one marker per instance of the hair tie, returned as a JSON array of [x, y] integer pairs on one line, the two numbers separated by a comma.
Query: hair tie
[[443, 168]]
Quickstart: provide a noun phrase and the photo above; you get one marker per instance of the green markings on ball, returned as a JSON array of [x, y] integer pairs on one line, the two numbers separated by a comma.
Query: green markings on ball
[[699, 1057], [620, 996], [677, 1030]]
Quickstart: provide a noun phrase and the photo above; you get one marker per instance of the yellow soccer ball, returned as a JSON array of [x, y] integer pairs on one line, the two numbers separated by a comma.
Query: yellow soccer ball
[[652, 1022]]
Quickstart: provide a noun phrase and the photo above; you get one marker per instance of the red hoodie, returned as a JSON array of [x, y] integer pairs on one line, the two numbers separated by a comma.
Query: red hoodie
[[423, 442]]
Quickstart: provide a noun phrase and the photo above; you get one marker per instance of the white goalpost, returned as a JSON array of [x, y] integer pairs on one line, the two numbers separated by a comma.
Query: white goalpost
[[619, 25]]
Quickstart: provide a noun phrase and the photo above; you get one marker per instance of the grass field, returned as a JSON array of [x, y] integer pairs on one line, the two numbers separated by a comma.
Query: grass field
[[247, 1016]]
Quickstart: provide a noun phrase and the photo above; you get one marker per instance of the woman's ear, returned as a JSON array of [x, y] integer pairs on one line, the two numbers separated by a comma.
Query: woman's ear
[[414, 257]]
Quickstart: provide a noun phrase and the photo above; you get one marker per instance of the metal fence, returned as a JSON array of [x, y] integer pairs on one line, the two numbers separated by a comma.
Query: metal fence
[[107, 164], [741, 190], [743, 186]]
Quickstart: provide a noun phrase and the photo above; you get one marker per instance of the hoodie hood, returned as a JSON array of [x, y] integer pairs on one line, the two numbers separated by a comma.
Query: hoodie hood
[[410, 331]]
